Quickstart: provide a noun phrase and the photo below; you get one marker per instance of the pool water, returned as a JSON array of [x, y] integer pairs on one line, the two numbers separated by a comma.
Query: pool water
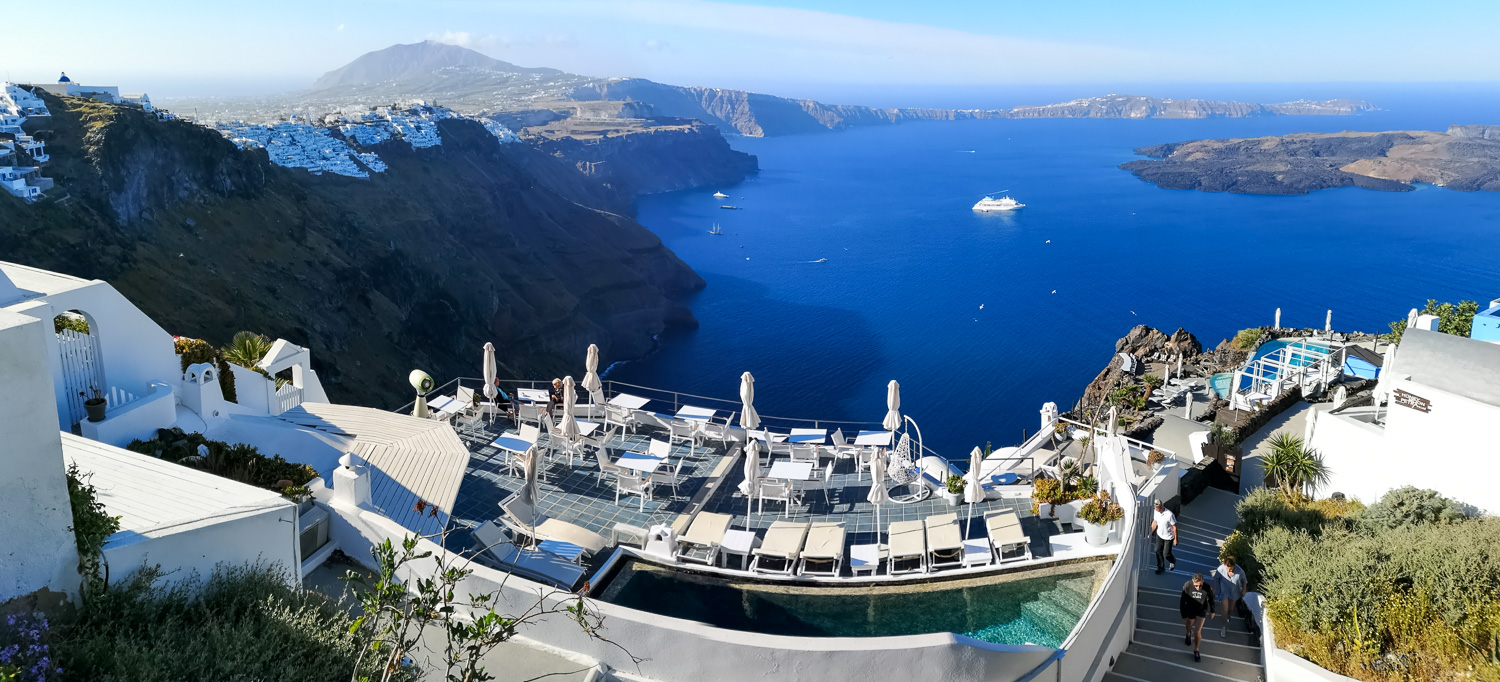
[[1220, 383], [1000, 609]]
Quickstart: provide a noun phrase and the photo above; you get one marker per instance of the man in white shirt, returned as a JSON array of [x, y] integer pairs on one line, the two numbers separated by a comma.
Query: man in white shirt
[[1164, 535]]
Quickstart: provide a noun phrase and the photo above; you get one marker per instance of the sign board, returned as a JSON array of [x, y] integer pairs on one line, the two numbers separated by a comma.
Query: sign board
[[1415, 402]]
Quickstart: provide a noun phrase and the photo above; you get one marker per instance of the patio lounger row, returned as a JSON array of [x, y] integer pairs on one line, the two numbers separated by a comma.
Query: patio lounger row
[[781, 549], [1004, 529], [523, 519], [527, 563], [824, 553], [701, 542]]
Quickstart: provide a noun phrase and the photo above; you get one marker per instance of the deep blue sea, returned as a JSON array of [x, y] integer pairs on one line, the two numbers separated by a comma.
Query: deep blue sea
[[909, 265]]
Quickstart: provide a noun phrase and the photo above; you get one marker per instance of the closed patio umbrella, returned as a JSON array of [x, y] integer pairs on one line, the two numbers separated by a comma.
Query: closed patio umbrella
[[893, 406], [749, 419], [752, 476], [568, 427], [878, 494], [528, 492], [591, 381], [490, 373], [973, 493]]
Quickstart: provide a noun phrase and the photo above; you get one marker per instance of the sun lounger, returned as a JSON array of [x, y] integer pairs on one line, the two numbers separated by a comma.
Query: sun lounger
[[532, 564], [824, 553], [701, 542], [1010, 543], [909, 544], [519, 517], [779, 551], [945, 544]]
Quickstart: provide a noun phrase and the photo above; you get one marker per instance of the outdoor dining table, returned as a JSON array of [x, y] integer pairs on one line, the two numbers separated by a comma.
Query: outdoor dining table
[[532, 395], [767, 436], [881, 438], [808, 436], [586, 427], [628, 401], [640, 461], [695, 414], [512, 442], [786, 470]]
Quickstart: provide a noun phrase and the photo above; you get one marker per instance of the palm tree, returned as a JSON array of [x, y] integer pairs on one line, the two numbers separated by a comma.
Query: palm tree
[[247, 349], [1294, 468]]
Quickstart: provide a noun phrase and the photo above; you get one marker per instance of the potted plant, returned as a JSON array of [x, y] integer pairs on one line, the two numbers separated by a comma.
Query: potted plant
[[954, 490], [1046, 491], [1155, 458], [1095, 517], [96, 405]]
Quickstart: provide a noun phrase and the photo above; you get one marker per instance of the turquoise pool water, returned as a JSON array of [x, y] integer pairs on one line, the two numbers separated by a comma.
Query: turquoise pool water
[[1040, 610], [1220, 383], [1270, 347]]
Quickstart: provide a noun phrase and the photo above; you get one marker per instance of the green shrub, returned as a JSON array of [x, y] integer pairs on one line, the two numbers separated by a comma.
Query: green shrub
[[240, 462], [1247, 339], [72, 321], [92, 524], [243, 623], [1456, 319], [1411, 506]]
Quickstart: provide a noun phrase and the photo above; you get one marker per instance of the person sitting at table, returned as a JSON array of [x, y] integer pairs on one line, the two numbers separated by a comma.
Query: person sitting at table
[[555, 397], [512, 406]]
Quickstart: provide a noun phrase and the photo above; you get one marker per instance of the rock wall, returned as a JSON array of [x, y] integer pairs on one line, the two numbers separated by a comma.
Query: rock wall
[[416, 267]]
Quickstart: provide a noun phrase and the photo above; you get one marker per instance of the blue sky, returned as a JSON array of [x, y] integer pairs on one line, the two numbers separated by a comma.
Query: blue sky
[[177, 47]]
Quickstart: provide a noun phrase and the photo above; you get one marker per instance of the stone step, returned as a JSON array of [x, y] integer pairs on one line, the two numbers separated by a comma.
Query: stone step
[[1154, 664], [1233, 647], [1049, 616], [1073, 599]]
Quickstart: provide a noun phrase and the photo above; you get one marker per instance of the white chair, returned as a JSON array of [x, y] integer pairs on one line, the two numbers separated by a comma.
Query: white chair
[[804, 452], [628, 485], [680, 431], [781, 491], [669, 477], [840, 448], [863, 459], [530, 413], [620, 417], [827, 483], [717, 432], [607, 468]]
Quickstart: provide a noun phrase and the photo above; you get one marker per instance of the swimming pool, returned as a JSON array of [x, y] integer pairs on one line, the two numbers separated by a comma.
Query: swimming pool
[[1220, 383], [1003, 609], [1270, 347]]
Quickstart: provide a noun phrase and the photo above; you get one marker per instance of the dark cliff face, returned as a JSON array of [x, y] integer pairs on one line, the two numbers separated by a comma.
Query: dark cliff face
[[417, 267], [668, 155]]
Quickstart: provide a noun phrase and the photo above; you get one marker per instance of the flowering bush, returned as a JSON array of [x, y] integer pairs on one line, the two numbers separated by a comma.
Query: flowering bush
[[29, 656]]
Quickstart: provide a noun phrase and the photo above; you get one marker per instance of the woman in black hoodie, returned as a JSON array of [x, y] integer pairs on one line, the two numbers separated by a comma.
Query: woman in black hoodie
[[1197, 606]]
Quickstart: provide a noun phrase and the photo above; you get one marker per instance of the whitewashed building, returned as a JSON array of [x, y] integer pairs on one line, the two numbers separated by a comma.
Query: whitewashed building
[[1429, 425]]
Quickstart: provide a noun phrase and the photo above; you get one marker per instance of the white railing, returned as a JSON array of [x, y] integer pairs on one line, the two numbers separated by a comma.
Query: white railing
[[287, 397], [119, 397]]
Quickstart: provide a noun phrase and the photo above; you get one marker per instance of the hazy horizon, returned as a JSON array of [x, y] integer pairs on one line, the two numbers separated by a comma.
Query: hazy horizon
[[809, 50]]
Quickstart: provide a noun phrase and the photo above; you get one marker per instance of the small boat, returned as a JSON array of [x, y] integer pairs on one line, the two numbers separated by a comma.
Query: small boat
[[727, 207], [989, 204], [720, 195], [715, 229]]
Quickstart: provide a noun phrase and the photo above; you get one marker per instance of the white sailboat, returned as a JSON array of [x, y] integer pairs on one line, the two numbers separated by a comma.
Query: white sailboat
[[715, 229]]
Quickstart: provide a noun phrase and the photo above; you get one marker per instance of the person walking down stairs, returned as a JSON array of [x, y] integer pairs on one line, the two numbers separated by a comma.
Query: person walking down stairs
[[1163, 535], [1197, 607], [1229, 586]]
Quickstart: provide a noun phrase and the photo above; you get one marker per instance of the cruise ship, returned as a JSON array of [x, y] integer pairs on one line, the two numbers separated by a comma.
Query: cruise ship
[[989, 204]]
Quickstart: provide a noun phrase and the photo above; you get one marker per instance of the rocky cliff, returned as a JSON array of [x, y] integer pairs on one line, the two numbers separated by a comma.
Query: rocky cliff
[[416, 267], [1464, 158], [757, 115]]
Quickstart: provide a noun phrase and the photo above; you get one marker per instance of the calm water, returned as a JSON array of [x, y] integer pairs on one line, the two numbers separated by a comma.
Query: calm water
[[909, 265], [1041, 610]]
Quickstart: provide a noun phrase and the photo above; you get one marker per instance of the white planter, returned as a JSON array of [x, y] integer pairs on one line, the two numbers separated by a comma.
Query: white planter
[[952, 498], [1094, 535], [1068, 513]]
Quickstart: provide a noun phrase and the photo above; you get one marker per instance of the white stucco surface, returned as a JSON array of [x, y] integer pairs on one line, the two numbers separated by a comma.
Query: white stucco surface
[[37, 548], [181, 518]]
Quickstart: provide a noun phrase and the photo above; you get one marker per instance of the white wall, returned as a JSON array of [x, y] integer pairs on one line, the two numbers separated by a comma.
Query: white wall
[[137, 420], [685, 651], [135, 351], [266, 535], [1281, 665], [37, 548], [1451, 449]]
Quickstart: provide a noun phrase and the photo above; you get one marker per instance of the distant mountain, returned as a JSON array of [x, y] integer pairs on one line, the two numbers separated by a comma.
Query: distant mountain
[[417, 60], [473, 83]]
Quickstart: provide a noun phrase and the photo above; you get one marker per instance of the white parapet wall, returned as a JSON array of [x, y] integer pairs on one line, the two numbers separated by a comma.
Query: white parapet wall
[[1280, 664], [37, 550], [136, 420]]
